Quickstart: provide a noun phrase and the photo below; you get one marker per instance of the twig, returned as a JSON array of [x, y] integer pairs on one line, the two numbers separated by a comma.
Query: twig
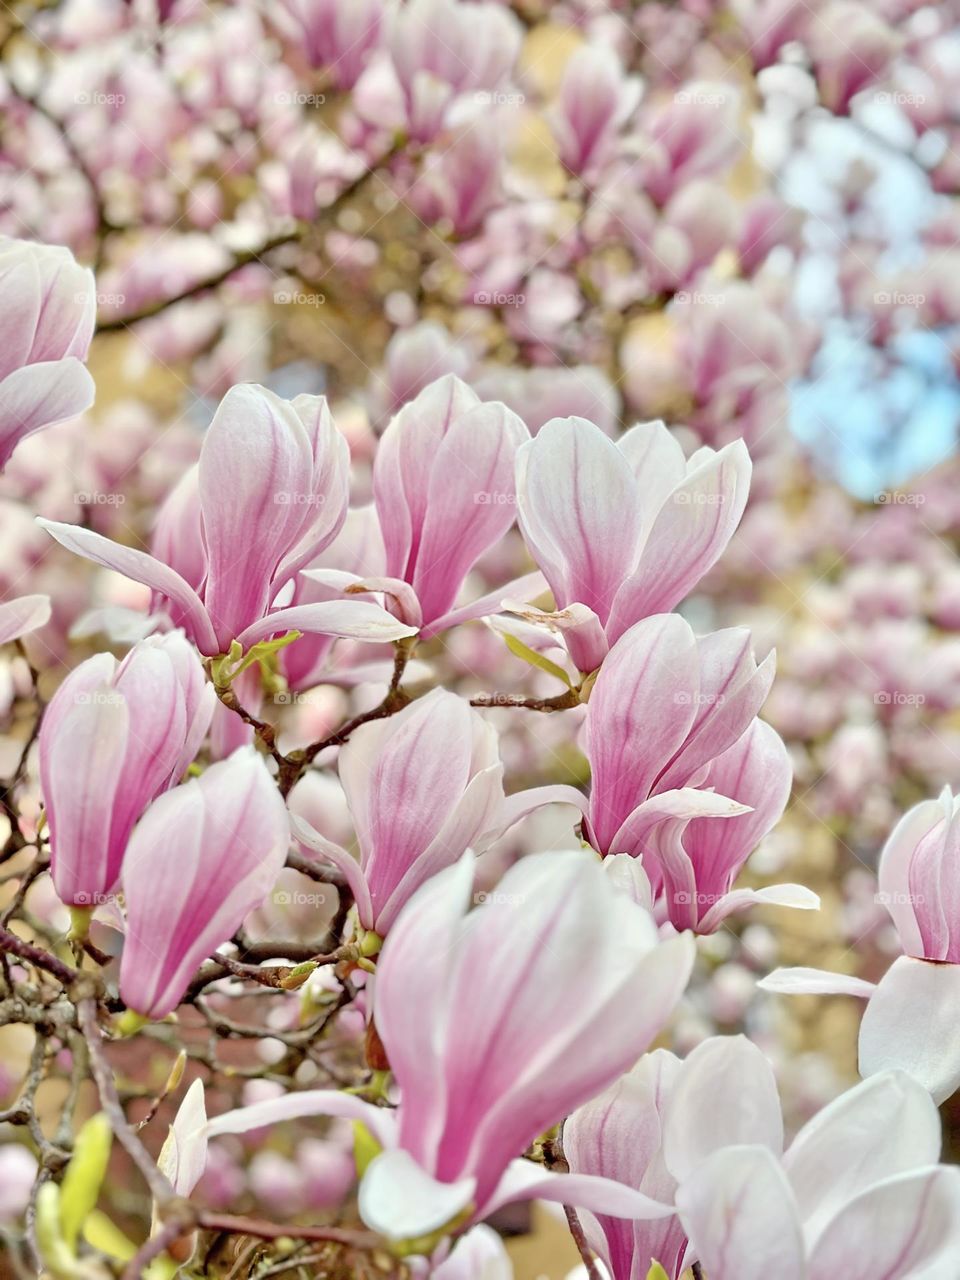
[[244, 259], [13, 945], [153, 1247], [160, 1188], [277, 1231], [561, 702], [580, 1240]]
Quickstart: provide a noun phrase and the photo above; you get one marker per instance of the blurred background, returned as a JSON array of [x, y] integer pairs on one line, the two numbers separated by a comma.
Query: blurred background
[[738, 215]]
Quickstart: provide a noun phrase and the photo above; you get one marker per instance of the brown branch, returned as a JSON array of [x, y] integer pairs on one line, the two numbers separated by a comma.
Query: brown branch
[[580, 1240], [160, 1188], [561, 702], [246, 258], [12, 945], [277, 1231], [238, 261], [153, 1247]]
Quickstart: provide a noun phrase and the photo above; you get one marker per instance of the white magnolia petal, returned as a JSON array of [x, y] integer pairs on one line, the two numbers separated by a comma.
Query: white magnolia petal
[[912, 1024]]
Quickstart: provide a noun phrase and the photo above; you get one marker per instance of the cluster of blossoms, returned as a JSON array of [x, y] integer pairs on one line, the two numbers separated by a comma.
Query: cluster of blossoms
[[473, 330], [486, 1018]]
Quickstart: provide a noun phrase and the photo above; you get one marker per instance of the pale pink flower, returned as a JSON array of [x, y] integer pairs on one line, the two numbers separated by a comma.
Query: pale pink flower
[[910, 1020], [623, 530], [270, 493], [113, 737], [49, 312], [423, 786], [201, 858], [683, 774], [485, 1062]]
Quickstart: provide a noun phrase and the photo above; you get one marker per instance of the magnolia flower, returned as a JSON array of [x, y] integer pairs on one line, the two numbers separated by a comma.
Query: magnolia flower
[[201, 858], [846, 66], [619, 1135], [444, 49], [443, 483], [336, 37], [50, 308], [683, 774], [422, 786], [113, 737], [270, 492], [595, 100], [707, 1135], [858, 1193], [622, 530], [910, 1020], [485, 1063]]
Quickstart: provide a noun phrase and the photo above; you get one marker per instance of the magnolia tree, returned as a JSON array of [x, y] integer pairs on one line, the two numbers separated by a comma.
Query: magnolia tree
[[375, 795]]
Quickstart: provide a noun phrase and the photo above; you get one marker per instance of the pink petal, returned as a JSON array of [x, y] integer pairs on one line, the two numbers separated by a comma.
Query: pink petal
[[141, 568], [21, 616], [579, 512], [688, 537], [39, 395]]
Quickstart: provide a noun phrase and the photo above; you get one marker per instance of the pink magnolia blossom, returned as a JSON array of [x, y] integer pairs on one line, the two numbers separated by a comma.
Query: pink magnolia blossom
[[417, 356], [422, 786], [485, 1063], [49, 309], [858, 1193], [442, 50], [619, 1135], [114, 736], [910, 1020], [335, 37], [270, 493], [623, 530], [683, 774], [852, 47], [443, 483], [596, 99], [693, 136], [201, 858], [707, 1135]]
